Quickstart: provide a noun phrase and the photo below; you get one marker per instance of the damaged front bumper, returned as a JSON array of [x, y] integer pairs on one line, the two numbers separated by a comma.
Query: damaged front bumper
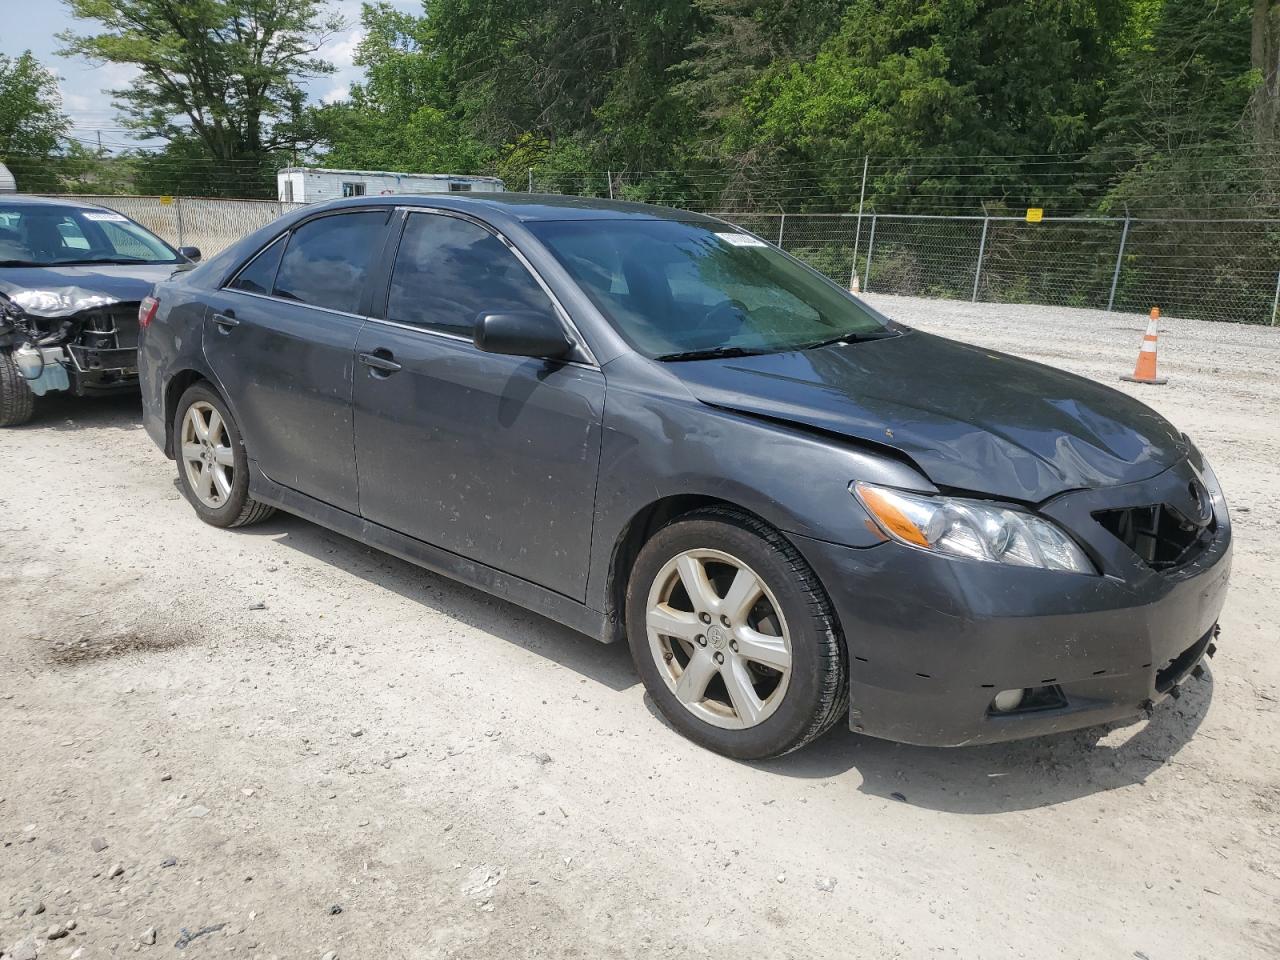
[[72, 340], [81, 370], [933, 642]]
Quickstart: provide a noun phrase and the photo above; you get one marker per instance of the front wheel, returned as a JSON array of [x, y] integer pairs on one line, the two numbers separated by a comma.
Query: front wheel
[[213, 468], [734, 636], [17, 402]]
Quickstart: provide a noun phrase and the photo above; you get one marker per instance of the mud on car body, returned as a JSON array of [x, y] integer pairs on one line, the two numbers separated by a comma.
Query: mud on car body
[[71, 281]]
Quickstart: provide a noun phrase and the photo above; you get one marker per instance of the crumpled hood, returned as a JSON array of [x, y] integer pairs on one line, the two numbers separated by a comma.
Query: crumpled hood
[[971, 419], [62, 291]]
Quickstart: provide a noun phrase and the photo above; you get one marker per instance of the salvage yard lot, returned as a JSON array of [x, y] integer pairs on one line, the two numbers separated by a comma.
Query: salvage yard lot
[[302, 724]]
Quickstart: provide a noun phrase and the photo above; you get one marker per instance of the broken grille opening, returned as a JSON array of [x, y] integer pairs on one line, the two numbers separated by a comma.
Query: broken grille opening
[[113, 327], [1160, 537]]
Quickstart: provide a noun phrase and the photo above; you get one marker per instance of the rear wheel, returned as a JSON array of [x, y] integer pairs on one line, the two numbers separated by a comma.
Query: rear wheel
[[213, 468], [17, 402], [734, 636]]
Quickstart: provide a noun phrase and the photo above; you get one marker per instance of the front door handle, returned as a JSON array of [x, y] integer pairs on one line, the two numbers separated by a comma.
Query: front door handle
[[380, 363], [225, 321]]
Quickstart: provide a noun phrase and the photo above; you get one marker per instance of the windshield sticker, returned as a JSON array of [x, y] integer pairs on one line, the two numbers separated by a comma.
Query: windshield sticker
[[101, 217], [741, 240]]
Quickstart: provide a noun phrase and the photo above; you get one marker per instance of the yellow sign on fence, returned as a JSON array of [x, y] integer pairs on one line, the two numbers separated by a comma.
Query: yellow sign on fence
[[166, 200], [1035, 214]]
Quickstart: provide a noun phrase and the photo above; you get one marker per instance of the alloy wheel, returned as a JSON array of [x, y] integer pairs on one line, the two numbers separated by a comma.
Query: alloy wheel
[[719, 639], [206, 454]]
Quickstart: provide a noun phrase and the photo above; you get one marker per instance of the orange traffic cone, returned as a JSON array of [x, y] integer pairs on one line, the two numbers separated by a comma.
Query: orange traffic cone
[[1145, 371]]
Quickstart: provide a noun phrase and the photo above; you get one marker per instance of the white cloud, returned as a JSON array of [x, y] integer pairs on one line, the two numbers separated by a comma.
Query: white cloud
[[341, 52], [72, 102]]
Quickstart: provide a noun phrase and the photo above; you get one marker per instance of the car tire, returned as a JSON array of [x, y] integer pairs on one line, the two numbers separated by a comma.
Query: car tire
[[784, 646], [225, 503], [17, 402]]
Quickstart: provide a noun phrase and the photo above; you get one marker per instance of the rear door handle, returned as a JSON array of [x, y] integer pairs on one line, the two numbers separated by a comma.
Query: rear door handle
[[225, 321], [380, 363]]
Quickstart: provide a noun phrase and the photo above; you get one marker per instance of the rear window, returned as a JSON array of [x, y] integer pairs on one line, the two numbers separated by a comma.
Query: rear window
[[327, 260]]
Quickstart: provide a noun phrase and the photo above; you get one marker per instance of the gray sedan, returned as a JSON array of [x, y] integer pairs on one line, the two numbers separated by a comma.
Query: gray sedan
[[656, 427]]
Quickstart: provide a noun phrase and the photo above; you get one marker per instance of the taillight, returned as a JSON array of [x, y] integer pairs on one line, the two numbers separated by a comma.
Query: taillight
[[147, 311]]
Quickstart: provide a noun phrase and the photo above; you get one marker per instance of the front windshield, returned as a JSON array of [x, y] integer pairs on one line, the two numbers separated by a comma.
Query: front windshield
[[43, 235], [681, 290]]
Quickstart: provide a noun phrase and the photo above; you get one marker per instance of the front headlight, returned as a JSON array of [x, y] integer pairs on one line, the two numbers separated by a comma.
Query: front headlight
[[971, 529]]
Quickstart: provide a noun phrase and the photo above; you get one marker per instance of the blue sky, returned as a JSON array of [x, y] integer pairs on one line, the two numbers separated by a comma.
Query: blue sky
[[32, 24]]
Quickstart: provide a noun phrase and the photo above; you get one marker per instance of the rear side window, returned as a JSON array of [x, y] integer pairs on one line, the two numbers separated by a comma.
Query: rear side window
[[448, 271], [259, 274], [327, 260]]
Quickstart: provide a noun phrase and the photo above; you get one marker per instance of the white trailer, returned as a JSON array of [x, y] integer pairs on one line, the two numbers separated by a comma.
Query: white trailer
[[313, 184]]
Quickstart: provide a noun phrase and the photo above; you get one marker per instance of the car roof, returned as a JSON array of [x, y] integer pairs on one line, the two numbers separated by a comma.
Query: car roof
[[31, 199], [527, 207]]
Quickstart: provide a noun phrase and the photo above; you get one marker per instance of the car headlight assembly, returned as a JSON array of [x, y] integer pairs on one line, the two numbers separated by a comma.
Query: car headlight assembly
[[972, 529]]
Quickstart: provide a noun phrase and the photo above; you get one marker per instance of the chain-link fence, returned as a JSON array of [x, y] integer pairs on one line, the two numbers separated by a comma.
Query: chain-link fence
[[210, 225], [1199, 269]]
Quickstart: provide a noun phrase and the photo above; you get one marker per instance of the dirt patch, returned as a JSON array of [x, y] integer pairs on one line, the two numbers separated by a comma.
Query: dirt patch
[[76, 651], [305, 723]]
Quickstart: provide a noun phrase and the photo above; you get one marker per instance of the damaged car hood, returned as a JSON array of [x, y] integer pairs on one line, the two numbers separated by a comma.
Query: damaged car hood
[[63, 290], [970, 419]]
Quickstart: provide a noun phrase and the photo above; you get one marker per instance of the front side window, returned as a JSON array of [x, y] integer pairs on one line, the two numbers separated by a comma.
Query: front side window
[[449, 271], [327, 260], [45, 235], [674, 289], [259, 274]]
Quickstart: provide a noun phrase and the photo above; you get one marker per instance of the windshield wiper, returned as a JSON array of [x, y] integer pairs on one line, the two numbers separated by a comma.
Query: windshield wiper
[[853, 338], [21, 263], [711, 353], [107, 260]]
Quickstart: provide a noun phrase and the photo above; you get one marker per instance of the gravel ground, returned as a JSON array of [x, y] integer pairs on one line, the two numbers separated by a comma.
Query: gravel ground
[[279, 743]]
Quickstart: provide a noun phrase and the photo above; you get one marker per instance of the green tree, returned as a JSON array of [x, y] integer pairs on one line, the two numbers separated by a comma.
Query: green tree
[[32, 123], [1264, 52], [222, 72], [741, 39], [1173, 126], [404, 115], [950, 81], [594, 72]]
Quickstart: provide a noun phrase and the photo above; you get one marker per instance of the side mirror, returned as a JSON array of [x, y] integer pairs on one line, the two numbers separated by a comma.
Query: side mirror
[[191, 253], [522, 333]]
